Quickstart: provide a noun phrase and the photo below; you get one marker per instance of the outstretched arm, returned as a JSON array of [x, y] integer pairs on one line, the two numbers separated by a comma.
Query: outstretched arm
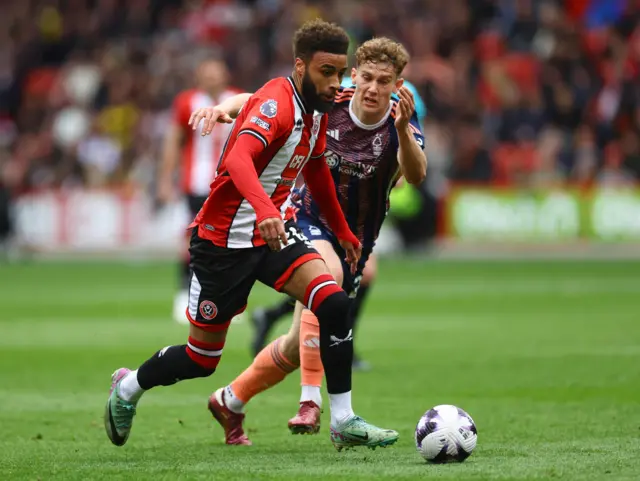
[[223, 113]]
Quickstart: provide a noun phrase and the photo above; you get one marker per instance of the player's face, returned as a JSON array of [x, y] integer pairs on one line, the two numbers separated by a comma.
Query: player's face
[[375, 82], [212, 76], [321, 78]]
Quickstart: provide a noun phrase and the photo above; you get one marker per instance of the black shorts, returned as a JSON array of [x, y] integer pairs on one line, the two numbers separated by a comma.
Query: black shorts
[[195, 204], [222, 278]]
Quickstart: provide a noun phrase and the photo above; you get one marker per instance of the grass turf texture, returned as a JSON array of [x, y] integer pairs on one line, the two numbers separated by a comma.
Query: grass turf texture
[[544, 356]]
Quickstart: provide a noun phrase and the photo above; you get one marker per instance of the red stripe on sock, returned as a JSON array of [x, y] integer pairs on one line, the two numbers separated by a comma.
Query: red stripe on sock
[[207, 346], [207, 362], [322, 294], [312, 285]]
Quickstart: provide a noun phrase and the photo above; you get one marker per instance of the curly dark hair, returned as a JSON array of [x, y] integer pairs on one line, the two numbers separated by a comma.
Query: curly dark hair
[[319, 36], [383, 50]]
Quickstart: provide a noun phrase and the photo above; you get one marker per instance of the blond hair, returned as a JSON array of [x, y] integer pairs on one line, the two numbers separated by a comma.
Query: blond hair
[[383, 50]]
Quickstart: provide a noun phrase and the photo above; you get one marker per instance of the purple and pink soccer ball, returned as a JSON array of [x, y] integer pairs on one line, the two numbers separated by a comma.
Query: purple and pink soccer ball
[[446, 434]]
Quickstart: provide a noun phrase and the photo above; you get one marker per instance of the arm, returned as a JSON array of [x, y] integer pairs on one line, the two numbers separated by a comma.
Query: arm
[[222, 113], [242, 171], [261, 123], [232, 105], [320, 183], [411, 157], [318, 179]]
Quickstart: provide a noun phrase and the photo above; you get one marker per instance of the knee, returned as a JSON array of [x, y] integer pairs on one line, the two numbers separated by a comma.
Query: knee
[[334, 309]]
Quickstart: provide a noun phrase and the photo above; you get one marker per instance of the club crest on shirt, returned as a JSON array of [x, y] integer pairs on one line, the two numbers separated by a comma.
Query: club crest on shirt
[[377, 145], [269, 109]]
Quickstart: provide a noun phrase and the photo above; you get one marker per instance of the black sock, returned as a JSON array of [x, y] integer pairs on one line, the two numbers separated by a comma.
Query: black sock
[[169, 366], [336, 342], [283, 308], [356, 307]]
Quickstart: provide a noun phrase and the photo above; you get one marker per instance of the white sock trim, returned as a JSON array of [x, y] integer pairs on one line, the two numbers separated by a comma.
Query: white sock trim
[[129, 389], [231, 401], [341, 409], [311, 393]]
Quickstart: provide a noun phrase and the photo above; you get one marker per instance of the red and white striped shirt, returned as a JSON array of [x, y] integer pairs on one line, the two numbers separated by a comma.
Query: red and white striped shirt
[[200, 155], [277, 117]]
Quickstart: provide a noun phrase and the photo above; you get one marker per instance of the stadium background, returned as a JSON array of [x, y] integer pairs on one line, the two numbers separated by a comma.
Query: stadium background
[[533, 143]]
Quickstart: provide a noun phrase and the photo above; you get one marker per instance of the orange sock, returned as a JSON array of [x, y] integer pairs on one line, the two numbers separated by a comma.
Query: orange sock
[[268, 369], [310, 361]]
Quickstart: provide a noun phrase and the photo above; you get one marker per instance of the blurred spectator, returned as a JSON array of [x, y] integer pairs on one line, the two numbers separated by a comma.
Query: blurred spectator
[[524, 92]]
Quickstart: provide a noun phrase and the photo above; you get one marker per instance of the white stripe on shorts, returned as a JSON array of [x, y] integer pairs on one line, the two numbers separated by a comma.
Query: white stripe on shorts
[[194, 296]]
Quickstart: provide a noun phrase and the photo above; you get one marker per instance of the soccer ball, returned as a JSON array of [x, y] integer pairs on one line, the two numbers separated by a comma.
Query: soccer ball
[[446, 434]]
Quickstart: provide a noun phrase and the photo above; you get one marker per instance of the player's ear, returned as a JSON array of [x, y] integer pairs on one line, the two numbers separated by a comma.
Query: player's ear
[[399, 83], [300, 67], [354, 74]]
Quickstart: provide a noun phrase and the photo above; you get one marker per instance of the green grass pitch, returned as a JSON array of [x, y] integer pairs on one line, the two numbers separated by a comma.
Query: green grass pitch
[[544, 355]]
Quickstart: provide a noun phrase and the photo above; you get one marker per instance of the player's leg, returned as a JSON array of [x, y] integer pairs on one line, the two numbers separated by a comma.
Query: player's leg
[[304, 338], [311, 365], [172, 364], [264, 318], [312, 284], [277, 360], [368, 276], [181, 299], [215, 296]]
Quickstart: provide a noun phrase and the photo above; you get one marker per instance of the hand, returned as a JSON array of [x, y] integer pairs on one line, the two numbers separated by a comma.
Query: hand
[[210, 115], [406, 107], [354, 251], [272, 231]]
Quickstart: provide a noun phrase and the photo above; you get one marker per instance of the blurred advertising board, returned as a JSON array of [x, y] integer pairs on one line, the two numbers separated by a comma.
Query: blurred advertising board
[[543, 215]]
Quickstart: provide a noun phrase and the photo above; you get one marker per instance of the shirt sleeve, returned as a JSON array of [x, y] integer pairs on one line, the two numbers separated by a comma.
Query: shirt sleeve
[[242, 170], [414, 126]]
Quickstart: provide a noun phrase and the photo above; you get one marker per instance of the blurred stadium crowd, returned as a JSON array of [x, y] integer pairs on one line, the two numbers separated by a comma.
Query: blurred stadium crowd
[[522, 92]]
